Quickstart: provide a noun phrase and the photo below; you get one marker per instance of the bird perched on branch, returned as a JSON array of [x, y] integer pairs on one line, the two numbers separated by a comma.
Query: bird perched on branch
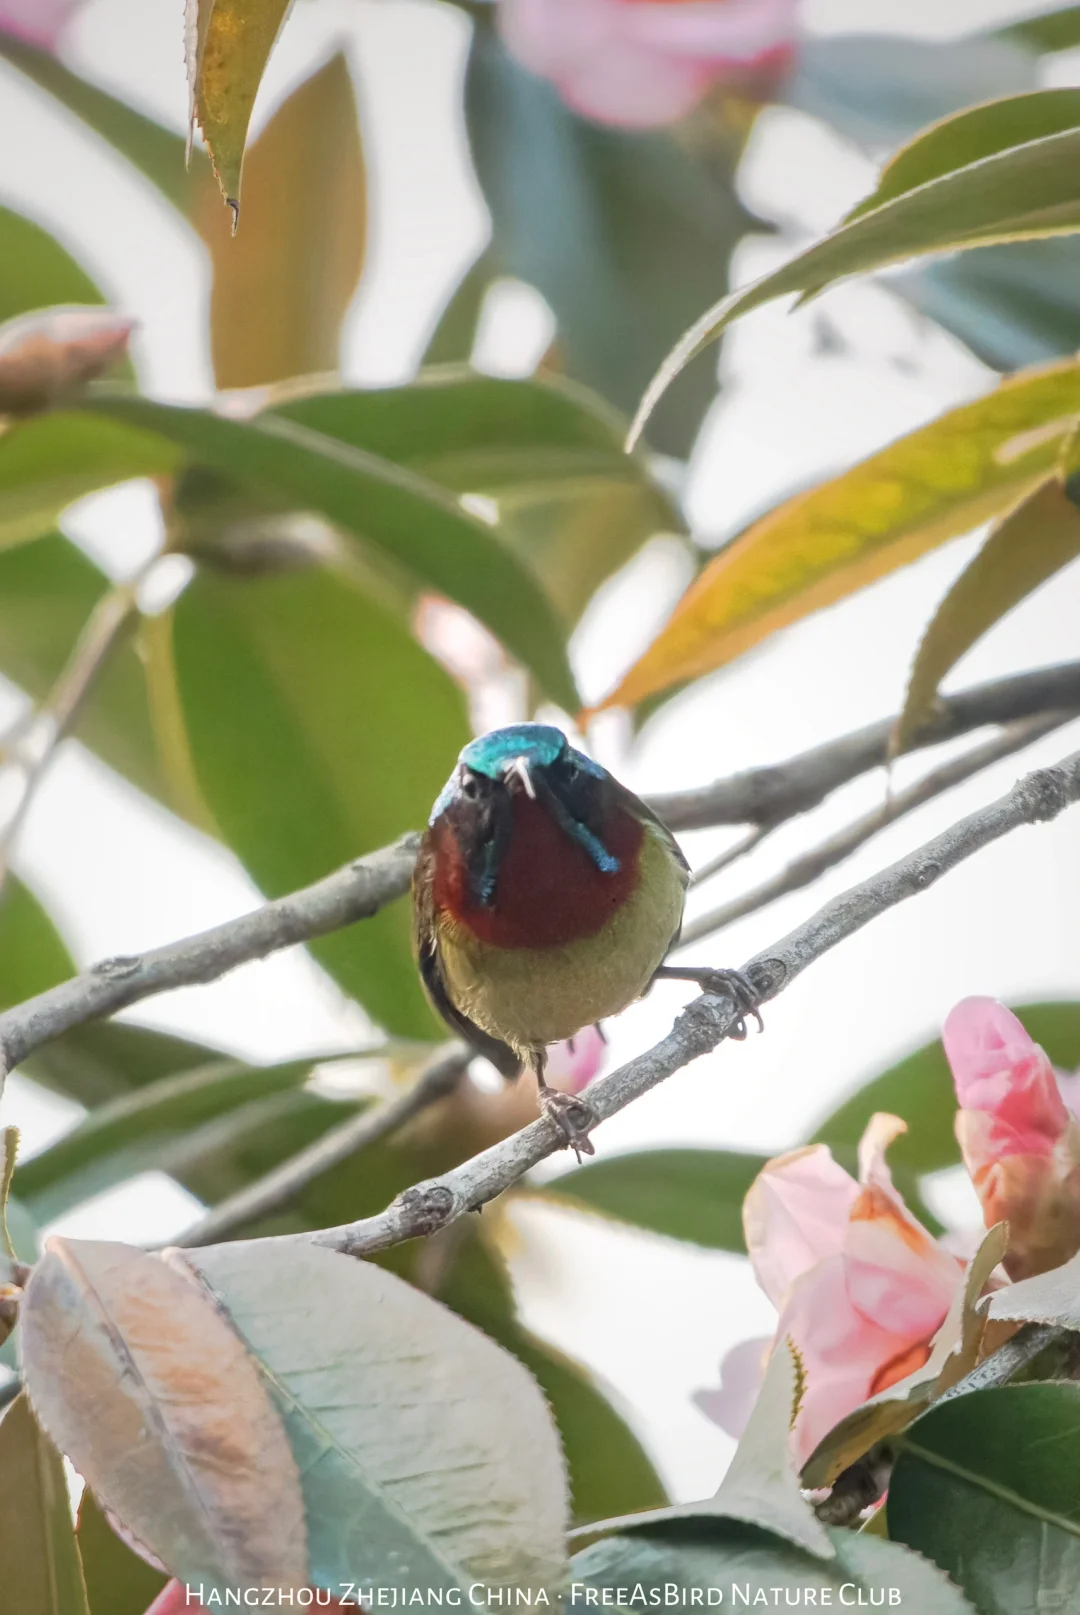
[[546, 897]]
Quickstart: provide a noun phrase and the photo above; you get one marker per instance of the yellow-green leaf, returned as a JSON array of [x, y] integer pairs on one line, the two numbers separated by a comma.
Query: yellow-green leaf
[[282, 285], [969, 465], [1036, 540], [229, 43], [40, 1573]]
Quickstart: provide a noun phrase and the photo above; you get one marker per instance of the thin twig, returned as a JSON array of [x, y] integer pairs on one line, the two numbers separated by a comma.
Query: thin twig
[[724, 860], [700, 1027], [281, 1186], [773, 794], [810, 865]]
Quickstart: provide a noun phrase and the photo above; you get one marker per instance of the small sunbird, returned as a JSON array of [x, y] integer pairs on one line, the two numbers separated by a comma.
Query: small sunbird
[[546, 897]]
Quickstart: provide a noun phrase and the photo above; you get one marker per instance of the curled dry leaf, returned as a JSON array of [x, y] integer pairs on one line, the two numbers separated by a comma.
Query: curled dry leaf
[[48, 358], [142, 1383]]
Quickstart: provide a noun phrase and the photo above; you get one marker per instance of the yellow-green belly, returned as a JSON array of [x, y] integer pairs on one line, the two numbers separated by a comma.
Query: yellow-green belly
[[532, 996]]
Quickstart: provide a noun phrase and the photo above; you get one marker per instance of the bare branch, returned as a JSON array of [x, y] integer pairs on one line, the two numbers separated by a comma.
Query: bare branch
[[742, 848], [810, 865], [700, 1027], [768, 796]]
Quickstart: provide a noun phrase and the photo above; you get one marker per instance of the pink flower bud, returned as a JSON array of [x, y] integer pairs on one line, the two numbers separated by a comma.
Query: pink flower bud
[[46, 358], [573, 1064], [38, 22]]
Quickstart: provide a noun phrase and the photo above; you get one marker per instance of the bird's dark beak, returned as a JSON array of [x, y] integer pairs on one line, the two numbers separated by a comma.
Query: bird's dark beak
[[517, 768]]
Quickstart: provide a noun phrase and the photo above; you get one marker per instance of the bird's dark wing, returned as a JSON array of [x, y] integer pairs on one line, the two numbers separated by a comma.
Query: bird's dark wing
[[641, 810]]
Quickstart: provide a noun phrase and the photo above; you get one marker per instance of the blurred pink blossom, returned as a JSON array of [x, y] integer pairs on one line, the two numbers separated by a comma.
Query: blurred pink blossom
[[573, 1064], [39, 22], [644, 62], [860, 1286], [1019, 1140]]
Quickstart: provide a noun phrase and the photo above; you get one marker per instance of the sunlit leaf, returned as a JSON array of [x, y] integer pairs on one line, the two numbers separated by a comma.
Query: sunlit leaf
[[35, 270], [1033, 542], [932, 485], [229, 43], [40, 1571], [141, 1382], [282, 285]]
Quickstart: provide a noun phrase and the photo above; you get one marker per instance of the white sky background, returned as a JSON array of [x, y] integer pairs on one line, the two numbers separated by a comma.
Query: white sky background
[[653, 1318]]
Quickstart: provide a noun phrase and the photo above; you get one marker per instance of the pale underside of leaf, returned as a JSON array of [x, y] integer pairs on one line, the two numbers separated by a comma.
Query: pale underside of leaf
[[142, 1383], [1052, 1297]]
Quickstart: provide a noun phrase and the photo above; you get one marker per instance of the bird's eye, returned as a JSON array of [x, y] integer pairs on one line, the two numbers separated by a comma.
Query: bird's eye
[[470, 787]]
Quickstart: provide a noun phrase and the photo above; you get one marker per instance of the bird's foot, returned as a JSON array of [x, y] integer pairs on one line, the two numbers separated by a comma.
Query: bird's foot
[[571, 1115], [724, 984]]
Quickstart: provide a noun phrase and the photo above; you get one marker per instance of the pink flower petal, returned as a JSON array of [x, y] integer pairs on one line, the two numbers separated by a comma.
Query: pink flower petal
[[795, 1214], [998, 1069], [39, 22], [573, 1064]]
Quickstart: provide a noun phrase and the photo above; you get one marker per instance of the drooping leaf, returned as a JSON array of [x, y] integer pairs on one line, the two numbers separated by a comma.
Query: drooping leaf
[[920, 1090], [282, 285], [1033, 542], [35, 270], [118, 1582], [320, 730], [40, 1571], [991, 1469], [142, 1383], [229, 43], [625, 233], [1025, 192], [406, 519], [693, 1195], [386, 1395], [932, 485]]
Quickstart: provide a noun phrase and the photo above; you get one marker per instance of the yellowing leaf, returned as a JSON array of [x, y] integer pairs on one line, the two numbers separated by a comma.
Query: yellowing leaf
[[1036, 540], [967, 466], [228, 45], [282, 285], [141, 1382]]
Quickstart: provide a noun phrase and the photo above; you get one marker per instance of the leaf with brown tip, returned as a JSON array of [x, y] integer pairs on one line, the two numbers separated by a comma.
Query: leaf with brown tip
[[141, 1382], [228, 45], [40, 1573]]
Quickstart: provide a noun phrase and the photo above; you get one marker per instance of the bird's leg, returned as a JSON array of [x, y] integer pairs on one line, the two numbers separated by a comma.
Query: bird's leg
[[571, 1115], [726, 984]]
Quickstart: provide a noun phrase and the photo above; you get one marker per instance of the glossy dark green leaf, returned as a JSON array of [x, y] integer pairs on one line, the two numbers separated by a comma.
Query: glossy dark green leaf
[[35, 270], [626, 234], [156, 152], [995, 1468], [319, 730], [406, 519], [920, 1089], [118, 1582], [40, 1573], [694, 1195]]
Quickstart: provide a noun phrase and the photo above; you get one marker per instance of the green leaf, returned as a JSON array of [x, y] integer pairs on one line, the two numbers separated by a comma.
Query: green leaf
[[51, 460], [694, 1195], [282, 285], [1022, 193], [1053, 31], [454, 336], [39, 1562], [118, 1582], [942, 480], [625, 233], [1026, 548], [32, 954], [35, 270], [229, 44], [384, 1393], [993, 1468], [406, 519], [156, 152], [9, 1150], [320, 730], [920, 1090]]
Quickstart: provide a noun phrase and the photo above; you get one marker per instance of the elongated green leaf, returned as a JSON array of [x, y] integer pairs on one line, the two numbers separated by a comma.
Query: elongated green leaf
[[229, 44], [156, 152], [98, 1063], [35, 270], [118, 1582], [282, 285], [40, 1571], [320, 730], [1055, 30], [454, 337], [385, 1395], [993, 1468], [142, 1383], [1033, 542], [1022, 193], [32, 955], [920, 1089], [405, 518], [932, 485], [694, 1195]]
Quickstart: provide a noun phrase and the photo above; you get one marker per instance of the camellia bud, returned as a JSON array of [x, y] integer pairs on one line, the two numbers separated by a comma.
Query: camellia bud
[[48, 357]]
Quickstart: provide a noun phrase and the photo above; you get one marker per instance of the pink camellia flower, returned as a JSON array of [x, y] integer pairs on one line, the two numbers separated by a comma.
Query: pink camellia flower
[[38, 22], [860, 1286], [1020, 1142], [642, 63], [572, 1065]]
